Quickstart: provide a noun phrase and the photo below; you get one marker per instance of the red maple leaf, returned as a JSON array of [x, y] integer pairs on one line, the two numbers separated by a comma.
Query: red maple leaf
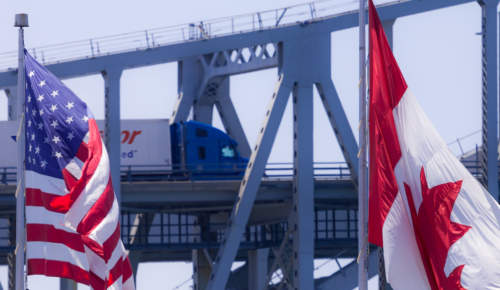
[[435, 232]]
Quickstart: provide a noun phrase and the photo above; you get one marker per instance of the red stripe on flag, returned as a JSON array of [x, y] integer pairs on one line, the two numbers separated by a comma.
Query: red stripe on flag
[[83, 152], [387, 87], [116, 272], [111, 243], [53, 268], [93, 246], [36, 197], [127, 270], [69, 179], [88, 170], [99, 211], [96, 282], [48, 233]]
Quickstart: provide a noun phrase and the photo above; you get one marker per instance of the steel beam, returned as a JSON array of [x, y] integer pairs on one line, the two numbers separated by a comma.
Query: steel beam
[[201, 269], [490, 96], [303, 180], [139, 233], [340, 124], [67, 284], [348, 277], [230, 118], [257, 268], [250, 184], [180, 51], [388, 26], [189, 79], [112, 130], [11, 93]]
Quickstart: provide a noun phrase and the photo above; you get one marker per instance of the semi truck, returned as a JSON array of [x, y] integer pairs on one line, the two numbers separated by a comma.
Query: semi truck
[[154, 149]]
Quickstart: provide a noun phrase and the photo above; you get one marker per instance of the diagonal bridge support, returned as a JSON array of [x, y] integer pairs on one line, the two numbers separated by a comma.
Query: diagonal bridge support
[[301, 64]]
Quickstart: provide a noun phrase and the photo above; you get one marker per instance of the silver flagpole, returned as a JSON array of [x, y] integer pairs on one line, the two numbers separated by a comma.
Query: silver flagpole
[[21, 21], [362, 197]]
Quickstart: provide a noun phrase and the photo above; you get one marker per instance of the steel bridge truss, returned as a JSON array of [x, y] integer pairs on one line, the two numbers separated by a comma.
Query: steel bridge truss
[[302, 54]]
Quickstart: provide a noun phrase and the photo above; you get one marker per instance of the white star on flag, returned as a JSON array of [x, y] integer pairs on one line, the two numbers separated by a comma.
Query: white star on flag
[[55, 93], [56, 139], [70, 136], [40, 98], [42, 83], [54, 124], [69, 120], [70, 105], [85, 118], [53, 108], [58, 155], [32, 73]]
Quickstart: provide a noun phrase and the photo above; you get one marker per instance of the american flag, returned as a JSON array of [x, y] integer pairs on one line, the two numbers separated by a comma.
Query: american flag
[[72, 214]]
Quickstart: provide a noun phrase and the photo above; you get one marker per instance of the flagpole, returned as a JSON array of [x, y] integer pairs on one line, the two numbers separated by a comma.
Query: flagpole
[[362, 197], [21, 21]]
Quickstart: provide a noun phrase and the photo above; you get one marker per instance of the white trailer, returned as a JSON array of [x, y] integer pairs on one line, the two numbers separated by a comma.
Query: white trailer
[[143, 143]]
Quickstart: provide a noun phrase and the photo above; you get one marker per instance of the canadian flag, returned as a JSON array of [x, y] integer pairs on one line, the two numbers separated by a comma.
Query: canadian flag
[[438, 226]]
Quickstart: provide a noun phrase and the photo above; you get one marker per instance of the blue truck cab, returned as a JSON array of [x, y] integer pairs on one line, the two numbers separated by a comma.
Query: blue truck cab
[[205, 150]]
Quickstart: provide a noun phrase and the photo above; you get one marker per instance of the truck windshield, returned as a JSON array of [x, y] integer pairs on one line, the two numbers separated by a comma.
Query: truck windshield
[[228, 152]]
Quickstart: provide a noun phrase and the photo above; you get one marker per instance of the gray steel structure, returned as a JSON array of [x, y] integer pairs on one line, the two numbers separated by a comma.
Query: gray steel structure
[[301, 52]]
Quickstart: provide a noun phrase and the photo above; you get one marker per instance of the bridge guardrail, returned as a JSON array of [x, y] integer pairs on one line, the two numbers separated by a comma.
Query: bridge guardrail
[[191, 172], [153, 38]]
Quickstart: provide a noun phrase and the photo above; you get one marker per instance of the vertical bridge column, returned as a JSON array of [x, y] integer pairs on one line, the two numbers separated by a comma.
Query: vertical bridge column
[[112, 125], [303, 184], [257, 268], [490, 95], [67, 284]]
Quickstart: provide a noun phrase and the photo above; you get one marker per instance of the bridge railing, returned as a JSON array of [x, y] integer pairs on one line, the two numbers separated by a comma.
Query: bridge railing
[[274, 171], [177, 172], [153, 38], [205, 229]]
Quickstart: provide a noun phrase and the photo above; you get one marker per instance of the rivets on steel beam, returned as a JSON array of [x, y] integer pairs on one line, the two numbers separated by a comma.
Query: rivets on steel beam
[[249, 165], [295, 208], [322, 97], [295, 153], [173, 113], [295, 100], [256, 146], [342, 147], [267, 114], [295, 171], [294, 135], [274, 95], [329, 114], [244, 181], [295, 118], [336, 131], [262, 130]]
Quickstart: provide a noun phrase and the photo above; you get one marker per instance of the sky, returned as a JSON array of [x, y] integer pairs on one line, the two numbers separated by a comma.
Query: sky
[[438, 52]]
